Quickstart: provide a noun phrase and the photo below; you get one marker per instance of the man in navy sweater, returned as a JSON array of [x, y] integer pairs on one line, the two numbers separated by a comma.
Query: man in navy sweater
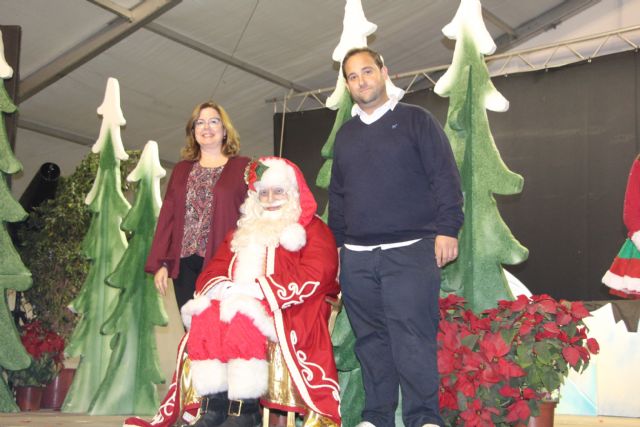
[[395, 208]]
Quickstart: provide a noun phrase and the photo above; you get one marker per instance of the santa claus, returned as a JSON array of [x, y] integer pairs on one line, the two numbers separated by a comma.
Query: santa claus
[[269, 281]]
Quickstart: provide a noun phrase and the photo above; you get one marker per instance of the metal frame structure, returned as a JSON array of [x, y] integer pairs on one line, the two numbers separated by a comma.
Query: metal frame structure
[[547, 56]]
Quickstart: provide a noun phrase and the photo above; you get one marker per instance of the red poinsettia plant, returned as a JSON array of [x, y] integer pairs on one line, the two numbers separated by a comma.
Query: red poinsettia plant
[[47, 352], [496, 366]]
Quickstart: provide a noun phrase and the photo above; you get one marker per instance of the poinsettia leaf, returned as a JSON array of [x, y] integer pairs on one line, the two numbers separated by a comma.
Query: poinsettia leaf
[[571, 329], [470, 341], [508, 335], [462, 402], [579, 311], [550, 380], [541, 350], [593, 345], [524, 355], [571, 355], [548, 305]]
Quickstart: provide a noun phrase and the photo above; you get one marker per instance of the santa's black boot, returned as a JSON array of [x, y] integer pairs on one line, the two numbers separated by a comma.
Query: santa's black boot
[[213, 410], [243, 413]]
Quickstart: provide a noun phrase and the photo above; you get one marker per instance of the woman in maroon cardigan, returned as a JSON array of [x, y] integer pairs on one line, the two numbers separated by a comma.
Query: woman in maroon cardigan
[[201, 203]]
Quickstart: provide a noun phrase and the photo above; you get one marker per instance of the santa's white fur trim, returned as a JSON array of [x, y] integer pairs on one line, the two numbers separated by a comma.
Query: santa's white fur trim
[[208, 376], [635, 238], [193, 307], [278, 173], [293, 237], [250, 307], [247, 379]]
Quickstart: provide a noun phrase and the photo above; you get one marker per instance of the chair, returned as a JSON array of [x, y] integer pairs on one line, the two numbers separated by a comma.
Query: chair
[[290, 402]]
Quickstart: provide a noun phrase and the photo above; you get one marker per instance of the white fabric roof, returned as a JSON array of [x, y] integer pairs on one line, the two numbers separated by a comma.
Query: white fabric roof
[[289, 41]]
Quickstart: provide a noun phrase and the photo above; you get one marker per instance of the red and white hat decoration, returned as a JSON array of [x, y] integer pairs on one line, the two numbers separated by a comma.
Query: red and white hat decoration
[[276, 171]]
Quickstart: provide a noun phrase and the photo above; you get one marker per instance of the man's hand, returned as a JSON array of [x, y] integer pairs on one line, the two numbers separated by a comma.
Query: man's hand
[[160, 280], [446, 250]]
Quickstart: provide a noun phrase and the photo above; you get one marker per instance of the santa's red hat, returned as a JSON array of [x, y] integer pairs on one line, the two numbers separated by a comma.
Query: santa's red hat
[[276, 171]]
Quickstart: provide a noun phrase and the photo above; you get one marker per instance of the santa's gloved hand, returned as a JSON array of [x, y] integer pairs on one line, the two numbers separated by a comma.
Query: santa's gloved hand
[[219, 290], [249, 289]]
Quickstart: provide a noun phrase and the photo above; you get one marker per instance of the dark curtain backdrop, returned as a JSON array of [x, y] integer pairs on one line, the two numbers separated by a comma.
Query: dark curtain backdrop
[[572, 133]]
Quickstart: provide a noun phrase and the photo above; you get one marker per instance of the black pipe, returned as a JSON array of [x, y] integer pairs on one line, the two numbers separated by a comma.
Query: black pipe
[[42, 187]]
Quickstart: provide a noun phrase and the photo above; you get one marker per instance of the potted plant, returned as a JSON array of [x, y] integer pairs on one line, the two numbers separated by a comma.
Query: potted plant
[[551, 339], [496, 366], [46, 349]]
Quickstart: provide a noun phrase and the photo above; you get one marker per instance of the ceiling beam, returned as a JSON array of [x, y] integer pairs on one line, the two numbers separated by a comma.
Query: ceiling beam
[[56, 133], [112, 7], [541, 23], [114, 31], [489, 16], [224, 57], [68, 136], [202, 48]]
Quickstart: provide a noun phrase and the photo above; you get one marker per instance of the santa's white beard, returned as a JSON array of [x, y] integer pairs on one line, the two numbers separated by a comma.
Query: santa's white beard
[[258, 229], [261, 227]]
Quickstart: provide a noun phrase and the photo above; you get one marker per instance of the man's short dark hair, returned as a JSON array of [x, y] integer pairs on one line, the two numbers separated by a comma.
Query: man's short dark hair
[[372, 53]]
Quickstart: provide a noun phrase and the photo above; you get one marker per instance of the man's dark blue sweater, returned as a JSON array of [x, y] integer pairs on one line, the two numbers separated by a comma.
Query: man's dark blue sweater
[[394, 180]]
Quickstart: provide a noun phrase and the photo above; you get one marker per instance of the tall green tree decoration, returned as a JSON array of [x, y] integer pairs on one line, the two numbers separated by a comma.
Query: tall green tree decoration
[[344, 105], [13, 273], [485, 242], [103, 245], [355, 29], [134, 368]]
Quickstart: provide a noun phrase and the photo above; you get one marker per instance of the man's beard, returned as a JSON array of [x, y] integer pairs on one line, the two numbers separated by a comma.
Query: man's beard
[[260, 227]]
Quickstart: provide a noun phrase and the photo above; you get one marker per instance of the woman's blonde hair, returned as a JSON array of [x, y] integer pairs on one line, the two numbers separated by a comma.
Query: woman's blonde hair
[[230, 143]]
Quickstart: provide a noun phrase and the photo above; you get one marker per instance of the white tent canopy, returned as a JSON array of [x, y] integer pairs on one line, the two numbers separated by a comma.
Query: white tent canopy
[[169, 55]]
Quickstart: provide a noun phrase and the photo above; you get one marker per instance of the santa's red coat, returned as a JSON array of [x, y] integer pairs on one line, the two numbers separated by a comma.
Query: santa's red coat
[[296, 286]]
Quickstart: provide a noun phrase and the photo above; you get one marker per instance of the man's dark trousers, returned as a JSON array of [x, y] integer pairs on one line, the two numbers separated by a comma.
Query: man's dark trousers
[[391, 298]]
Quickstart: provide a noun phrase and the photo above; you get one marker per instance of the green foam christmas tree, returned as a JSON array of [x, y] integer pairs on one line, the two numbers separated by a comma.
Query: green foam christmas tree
[[134, 367], [355, 30], [485, 242], [324, 175], [13, 274], [103, 245]]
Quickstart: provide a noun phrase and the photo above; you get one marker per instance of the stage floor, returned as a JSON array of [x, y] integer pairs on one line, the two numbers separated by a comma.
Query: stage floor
[[54, 419]]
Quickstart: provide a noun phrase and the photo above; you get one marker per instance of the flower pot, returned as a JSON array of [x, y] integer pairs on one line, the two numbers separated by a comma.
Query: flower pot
[[545, 419], [28, 397], [55, 392]]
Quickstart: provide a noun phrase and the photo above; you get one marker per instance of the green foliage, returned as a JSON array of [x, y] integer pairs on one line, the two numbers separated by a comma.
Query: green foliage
[[50, 244], [38, 374], [349, 371]]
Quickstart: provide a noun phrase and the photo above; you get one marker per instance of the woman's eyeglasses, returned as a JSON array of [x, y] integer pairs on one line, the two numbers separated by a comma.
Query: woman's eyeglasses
[[200, 124]]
